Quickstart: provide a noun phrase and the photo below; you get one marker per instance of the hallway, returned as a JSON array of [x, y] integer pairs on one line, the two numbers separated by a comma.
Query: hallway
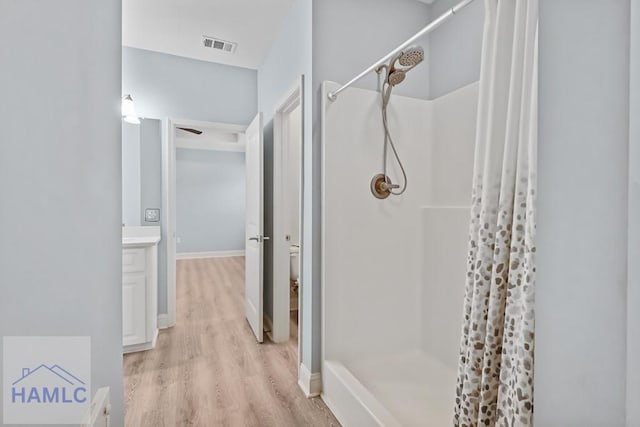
[[208, 370]]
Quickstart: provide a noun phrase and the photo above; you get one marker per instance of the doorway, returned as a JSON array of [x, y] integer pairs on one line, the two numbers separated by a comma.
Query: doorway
[[214, 137], [287, 214]]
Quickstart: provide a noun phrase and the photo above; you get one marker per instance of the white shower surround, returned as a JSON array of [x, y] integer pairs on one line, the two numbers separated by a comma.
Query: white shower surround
[[393, 270]]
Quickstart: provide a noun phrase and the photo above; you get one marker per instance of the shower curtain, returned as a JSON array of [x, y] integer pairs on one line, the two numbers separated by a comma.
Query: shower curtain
[[495, 370]]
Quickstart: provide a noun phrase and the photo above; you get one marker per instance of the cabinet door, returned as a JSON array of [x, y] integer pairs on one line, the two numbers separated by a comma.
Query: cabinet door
[[134, 309], [134, 260]]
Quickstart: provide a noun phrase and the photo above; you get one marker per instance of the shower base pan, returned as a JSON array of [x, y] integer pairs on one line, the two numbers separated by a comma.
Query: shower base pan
[[400, 390]]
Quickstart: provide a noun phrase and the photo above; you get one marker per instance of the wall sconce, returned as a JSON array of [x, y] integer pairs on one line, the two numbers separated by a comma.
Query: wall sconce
[[129, 110]]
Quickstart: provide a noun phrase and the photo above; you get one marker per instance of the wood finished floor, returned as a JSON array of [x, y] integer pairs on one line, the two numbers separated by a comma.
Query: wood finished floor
[[208, 370]]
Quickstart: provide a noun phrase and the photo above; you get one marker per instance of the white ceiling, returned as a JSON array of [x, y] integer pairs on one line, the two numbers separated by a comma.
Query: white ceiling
[[177, 26]]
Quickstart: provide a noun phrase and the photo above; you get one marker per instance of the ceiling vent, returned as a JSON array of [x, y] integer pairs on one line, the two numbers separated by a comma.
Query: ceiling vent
[[218, 44]]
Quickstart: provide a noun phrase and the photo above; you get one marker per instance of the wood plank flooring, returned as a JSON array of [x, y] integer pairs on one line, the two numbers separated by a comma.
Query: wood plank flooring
[[208, 370]]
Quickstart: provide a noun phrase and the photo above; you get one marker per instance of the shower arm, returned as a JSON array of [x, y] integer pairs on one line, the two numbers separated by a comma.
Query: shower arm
[[426, 30]]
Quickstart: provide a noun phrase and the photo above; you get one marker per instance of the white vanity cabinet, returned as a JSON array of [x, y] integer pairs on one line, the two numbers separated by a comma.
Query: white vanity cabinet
[[139, 288]]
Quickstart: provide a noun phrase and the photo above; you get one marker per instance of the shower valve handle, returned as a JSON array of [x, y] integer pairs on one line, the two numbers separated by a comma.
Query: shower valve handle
[[389, 186]]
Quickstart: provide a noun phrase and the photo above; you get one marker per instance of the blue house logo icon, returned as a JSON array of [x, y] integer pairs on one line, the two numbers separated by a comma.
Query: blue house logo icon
[[48, 384]]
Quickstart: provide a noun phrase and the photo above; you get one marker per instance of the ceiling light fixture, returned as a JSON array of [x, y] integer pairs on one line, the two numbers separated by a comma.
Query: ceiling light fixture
[[129, 110]]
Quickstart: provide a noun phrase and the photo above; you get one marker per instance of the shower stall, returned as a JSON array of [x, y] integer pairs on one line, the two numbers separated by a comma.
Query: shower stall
[[393, 270]]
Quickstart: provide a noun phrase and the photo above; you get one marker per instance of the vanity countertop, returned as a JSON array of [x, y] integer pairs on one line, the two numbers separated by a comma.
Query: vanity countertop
[[139, 241], [140, 236]]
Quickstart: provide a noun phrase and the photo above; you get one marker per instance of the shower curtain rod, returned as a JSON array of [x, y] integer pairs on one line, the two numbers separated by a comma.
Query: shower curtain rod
[[432, 26]]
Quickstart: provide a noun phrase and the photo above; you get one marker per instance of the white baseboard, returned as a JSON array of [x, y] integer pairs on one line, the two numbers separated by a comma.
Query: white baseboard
[[163, 321], [213, 254], [311, 384], [141, 347]]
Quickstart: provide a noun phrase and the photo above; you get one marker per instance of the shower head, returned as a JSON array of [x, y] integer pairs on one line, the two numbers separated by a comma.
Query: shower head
[[396, 77], [405, 61], [411, 56]]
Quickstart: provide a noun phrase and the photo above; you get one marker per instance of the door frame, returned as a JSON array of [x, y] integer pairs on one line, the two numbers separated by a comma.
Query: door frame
[[293, 98], [169, 145]]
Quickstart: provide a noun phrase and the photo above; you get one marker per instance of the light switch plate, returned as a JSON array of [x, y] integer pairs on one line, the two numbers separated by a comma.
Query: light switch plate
[[152, 215]]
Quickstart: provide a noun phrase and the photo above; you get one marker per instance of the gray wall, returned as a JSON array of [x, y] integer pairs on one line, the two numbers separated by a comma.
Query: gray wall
[[582, 213], [347, 38], [130, 174], [455, 48], [150, 167], [633, 292], [210, 199], [288, 59], [60, 252], [141, 170], [171, 86]]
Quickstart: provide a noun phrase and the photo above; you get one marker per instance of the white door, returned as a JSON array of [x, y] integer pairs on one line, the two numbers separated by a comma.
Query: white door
[[253, 291]]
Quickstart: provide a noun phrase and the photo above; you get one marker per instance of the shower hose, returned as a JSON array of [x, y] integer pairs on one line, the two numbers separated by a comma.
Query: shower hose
[[388, 142]]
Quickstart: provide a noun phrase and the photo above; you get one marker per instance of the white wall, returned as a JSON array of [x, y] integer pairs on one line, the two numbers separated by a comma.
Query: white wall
[[582, 213], [287, 60], [60, 253], [210, 199], [445, 222], [394, 269], [396, 265], [633, 291], [372, 253]]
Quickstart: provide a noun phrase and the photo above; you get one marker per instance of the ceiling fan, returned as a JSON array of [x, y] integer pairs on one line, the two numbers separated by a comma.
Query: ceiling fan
[[194, 131]]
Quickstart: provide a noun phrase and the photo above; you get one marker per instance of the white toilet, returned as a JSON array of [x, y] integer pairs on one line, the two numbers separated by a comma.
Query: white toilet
[[294, 276], [294, 264]]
